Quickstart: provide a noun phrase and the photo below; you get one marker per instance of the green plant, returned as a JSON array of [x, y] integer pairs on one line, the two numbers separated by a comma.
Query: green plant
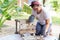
[[9, 8], [27, 8], [22, 13], [56, 20], [56, 5], [6, 8]]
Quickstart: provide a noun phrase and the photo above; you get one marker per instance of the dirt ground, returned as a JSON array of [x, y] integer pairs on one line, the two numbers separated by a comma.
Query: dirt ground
[[9, 28]]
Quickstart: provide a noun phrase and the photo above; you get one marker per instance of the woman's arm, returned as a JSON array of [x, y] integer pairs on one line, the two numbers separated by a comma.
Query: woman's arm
[[47, 24], [31, 19]]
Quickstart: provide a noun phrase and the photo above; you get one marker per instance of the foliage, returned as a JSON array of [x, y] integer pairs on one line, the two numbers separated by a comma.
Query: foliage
[[56, 4], [56, 20], [6, 7], [9, 8], [22, 13], [27, 8]]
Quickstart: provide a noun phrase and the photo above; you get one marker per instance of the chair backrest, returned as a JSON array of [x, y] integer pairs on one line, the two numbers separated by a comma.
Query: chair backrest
[[24, 25]]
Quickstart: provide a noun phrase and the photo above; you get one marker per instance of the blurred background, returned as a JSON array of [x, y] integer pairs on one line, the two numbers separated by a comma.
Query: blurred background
[[20, 9]]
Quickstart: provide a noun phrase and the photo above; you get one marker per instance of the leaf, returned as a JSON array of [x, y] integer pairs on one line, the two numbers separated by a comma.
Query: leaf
[[10, 5], [5, 6], [18, 9], [1, 10]]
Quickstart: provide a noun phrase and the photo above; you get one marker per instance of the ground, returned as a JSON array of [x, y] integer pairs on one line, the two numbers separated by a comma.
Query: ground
[[9, 28]]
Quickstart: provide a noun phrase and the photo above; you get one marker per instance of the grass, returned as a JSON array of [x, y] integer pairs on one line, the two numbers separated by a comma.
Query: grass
[[56, 20]]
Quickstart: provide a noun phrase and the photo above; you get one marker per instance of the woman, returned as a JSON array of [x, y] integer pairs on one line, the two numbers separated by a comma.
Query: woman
[[43, 25]]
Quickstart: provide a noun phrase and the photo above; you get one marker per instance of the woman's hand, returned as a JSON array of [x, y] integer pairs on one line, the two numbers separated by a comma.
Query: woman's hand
[[27, 22]]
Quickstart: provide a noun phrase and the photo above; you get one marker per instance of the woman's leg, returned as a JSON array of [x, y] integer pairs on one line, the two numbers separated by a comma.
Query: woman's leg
[[38, 29], [43, 30], [43, 27]]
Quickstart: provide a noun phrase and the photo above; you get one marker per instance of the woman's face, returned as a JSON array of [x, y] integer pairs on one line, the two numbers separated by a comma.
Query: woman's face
[[37, 8]]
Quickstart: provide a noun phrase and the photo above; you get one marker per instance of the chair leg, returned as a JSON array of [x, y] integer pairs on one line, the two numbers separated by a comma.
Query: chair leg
[[16, 32], [59, 36]]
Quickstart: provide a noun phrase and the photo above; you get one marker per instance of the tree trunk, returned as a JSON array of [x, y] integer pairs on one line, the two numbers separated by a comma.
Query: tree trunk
[[44, 2]]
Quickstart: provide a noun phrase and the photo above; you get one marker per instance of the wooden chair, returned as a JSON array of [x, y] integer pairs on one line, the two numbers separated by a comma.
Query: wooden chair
[[22, 27]]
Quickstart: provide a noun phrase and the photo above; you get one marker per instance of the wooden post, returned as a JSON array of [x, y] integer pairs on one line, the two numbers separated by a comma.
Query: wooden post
[[19, 3], [44, 2], [26, 1]]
